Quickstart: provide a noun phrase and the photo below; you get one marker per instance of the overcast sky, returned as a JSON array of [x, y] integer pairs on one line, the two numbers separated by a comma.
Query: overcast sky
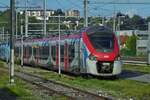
[[94, 9]]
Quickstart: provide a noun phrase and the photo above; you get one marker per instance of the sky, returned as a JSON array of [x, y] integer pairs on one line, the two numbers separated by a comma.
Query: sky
[[95, 8]]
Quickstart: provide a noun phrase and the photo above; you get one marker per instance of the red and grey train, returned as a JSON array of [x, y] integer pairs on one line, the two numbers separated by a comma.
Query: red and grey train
[[93, 50]]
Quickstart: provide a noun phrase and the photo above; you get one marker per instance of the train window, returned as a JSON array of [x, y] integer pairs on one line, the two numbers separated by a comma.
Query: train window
[[17, 51], [103, 42], [34, 52], [62, 53], [40, 51], [30, 51], [45, 52], [53, 52], [71, 52], [24, 52]]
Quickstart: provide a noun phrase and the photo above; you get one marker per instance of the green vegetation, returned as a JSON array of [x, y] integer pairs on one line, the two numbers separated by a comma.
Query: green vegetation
[[138, 68], [118, 88], [130, 49], [21, 90]]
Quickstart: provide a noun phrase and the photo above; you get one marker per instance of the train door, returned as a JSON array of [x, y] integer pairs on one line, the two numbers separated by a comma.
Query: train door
[[37, 55], [25, 54], [66, 57], [57, 56], [54, 56]]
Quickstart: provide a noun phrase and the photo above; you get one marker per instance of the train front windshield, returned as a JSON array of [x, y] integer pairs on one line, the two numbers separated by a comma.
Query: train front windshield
[[102, 42]]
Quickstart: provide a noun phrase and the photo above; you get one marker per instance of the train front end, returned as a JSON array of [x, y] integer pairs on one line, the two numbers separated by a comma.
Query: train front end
[[102, 52]]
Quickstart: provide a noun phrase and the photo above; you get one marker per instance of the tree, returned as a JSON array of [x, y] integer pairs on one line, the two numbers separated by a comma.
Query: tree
[[148, 19], [138, 22], [59, 12], [131, 44], [5, 19]]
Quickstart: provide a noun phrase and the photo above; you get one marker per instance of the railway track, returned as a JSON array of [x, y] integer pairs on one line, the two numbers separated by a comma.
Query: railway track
[[70, 92], [134, 62], [54, 87]]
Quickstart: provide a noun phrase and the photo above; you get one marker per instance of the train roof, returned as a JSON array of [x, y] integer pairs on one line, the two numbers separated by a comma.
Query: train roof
[[98, 29]]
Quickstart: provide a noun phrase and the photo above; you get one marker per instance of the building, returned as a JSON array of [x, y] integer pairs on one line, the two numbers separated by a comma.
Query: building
[[123, 37], [39, 13], [72, 13], [142, 42]]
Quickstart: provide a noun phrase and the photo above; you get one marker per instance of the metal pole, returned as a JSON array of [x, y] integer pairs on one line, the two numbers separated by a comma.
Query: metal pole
[[44, 4], [118, 33], [59, 70], [85, 13], [16, 25], [148, 46], [114, 20], [11, 67], [3, 32], [21, 45], [26, 20], [103, 20], [118, 23]]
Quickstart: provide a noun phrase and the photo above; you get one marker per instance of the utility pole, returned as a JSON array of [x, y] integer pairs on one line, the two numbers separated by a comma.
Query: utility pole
[[119, 22], [85, 13], [148, 46], [59, 67], [114, 20], [21, 44], [44, 4], [3, 32], [11, 67], [16, 24], [26, 19], [103, 20]]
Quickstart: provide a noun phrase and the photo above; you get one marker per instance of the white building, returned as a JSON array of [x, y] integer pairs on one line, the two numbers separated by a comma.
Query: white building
[[72, 13], [142, 42], [39, 13]]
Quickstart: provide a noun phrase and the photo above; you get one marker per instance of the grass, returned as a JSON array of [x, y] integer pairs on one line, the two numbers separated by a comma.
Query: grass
[[139, 68], [21, 90], [118, 88]]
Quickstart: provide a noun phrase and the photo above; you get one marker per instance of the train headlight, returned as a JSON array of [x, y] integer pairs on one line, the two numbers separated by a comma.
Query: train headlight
[[91, 57]]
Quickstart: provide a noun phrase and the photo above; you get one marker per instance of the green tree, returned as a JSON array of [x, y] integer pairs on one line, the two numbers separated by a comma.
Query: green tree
[[138, 22], [5, 19], [131, 45]]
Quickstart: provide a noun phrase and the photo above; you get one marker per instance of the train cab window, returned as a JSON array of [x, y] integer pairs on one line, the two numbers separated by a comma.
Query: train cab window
[[102, 42], [71, 52], [62, 53], [102, 38], [53, 52]]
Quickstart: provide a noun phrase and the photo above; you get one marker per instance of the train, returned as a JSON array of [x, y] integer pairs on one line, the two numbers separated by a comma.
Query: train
[[93, 50]]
